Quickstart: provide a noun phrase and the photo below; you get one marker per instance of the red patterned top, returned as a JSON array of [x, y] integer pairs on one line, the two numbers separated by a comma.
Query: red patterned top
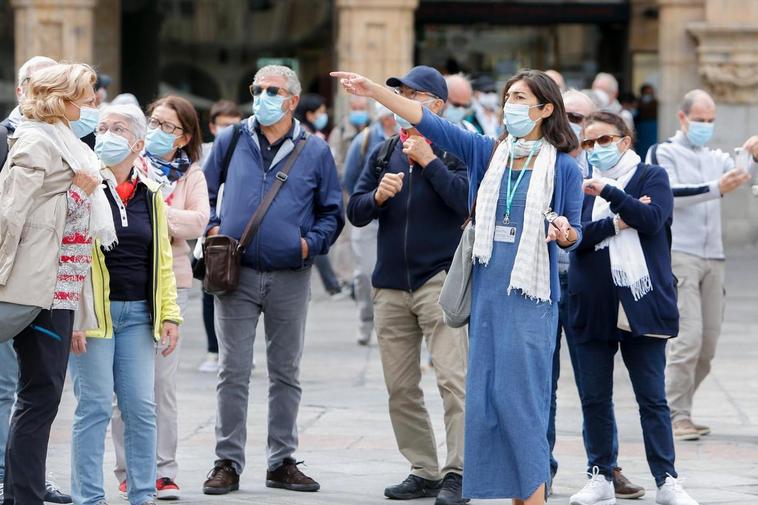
[[75, 254]]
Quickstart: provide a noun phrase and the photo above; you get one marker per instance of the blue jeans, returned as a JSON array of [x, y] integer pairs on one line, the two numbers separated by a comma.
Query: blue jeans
[[562, 326], [645, 360], [8, 383], [124, 364]]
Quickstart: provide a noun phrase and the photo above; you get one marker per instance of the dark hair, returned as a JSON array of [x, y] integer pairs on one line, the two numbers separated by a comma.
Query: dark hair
[[224, 108], [309, 102], [555, 127], [612, 119], [189, 122]]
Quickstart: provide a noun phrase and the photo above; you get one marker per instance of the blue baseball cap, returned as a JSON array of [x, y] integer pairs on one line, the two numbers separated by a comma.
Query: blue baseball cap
[[422, 78]]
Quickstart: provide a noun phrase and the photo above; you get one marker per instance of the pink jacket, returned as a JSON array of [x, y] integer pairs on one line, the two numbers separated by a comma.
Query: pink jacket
[[188, 215]]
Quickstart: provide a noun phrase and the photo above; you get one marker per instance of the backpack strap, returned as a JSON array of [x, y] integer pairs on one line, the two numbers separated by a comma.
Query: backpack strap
[[3, 145], [385, 153], [654, 152], [230, 151]]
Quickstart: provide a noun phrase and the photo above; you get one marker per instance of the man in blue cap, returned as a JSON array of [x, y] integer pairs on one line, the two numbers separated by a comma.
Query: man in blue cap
[[418, 193]]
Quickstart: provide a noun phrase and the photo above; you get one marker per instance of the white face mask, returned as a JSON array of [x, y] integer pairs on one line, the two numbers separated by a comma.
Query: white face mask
[[489, 101]]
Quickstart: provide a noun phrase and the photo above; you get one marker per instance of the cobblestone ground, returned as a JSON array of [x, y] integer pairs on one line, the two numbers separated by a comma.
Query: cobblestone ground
[[346, 439]]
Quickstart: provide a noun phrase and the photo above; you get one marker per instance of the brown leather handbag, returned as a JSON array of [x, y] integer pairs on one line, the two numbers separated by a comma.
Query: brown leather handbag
[[223, 254]]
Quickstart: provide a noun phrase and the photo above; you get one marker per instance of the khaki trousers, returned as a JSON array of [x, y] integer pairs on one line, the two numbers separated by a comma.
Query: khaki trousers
[[402, 320], [701, 312]]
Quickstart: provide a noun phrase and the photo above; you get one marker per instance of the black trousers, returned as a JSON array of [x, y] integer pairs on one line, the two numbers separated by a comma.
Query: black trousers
[[42, 350]]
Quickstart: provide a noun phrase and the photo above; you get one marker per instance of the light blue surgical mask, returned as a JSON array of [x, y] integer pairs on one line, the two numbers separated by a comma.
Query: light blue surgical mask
[[268, 109], [606, 157], [320, 122], [88, 119], [455, 114], [358, 117], [699, 133], [112, 149], [158, 142], [516, 119], [577, 129], [402, 123]]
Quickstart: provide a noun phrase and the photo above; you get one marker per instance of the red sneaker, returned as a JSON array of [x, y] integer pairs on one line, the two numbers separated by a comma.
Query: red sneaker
[[167, 489], [122, 491]]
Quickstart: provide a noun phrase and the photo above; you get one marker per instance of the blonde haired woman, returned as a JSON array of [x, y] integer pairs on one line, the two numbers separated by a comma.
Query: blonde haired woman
[[51, 207]]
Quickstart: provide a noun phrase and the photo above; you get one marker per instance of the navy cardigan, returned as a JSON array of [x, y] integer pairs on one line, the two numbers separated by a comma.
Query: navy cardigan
[[593, 298]]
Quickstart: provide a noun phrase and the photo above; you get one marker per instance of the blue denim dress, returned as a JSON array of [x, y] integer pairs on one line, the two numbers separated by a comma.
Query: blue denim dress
[[512, 339]]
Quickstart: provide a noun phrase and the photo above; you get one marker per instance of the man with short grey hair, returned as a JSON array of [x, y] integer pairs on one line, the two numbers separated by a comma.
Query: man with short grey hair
[[606, 83], [700, 177], [458, 105], [268, 151], [8, 362]]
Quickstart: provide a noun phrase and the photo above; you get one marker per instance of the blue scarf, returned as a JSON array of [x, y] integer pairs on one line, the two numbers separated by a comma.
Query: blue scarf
[[172, 170]]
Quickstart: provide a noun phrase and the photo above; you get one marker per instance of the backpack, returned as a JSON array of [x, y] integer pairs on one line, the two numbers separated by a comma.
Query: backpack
[[384, 155], [3, 145]]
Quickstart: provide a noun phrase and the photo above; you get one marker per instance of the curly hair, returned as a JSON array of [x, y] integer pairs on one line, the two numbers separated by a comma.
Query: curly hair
[[50, 88]]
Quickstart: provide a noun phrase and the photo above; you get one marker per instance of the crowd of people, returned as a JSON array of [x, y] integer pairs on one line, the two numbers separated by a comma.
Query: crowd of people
[[565, 230]]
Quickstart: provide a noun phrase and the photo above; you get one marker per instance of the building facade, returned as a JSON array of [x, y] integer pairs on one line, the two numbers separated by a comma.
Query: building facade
[[209, 49]]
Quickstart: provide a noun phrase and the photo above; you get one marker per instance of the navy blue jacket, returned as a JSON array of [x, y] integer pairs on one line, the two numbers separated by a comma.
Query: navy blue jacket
[[420, 227], [593, 297], [309, 204]]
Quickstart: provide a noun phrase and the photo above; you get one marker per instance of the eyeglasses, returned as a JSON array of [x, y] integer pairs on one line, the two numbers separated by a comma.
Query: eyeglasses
[[413, 94], [602, 140], [118, 129], [270, 91], [461, 105], [166, 127], [575, 117]]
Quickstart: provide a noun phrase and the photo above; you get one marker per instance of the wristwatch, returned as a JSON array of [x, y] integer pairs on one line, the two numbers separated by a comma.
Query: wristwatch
[[550, 216]]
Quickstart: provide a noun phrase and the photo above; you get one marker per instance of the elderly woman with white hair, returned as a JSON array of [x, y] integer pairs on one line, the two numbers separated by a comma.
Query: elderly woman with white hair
[[51, 207], [129, 305]]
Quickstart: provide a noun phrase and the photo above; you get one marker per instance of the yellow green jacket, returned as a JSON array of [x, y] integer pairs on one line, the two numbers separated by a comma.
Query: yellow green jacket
[[94, 317]]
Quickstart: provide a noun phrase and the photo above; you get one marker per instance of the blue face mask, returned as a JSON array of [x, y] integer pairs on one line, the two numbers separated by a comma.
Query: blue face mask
[[320, 122], [577, 129], [402, 123], [358, 117], [699, 133], [605, 158], [88, 119], [268, 109], [516, 119], [455, 114], [158, 142], [112, 149]]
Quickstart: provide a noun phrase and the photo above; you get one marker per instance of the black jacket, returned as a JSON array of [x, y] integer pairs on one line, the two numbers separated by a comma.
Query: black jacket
[[420, 227]]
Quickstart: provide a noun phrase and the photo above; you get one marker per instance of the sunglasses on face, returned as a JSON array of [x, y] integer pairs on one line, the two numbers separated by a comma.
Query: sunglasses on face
[[256, 90], [575, 117], [602, 140]]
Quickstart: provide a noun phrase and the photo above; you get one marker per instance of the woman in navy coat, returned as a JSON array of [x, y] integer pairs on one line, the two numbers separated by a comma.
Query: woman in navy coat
[[622, 296]]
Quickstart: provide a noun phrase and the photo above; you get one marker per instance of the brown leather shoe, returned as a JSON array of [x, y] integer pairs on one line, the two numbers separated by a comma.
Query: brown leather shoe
[[685, 430], [223, 479], [624, 488], [289, 476]]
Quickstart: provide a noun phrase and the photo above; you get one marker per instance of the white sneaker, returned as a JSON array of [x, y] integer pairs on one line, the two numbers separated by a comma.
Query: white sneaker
[[210, 365], [672, 493], [597, 491]]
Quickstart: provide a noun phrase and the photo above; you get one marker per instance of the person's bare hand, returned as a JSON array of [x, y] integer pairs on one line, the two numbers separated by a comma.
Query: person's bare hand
[[390, 185], [751, 146], [646, 200], [86, 181], [733, 179], [304, 249], [169, 337], [355, 84], [419, 150], [593, 187], [213, 231], [78, 343]]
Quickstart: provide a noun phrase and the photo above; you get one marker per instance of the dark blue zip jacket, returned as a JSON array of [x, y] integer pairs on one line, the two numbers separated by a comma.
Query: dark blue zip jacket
[[420, 227], [309, 204], [593, 297]]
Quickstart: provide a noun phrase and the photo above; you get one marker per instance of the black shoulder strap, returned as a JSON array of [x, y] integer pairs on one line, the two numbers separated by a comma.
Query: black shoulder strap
[[230, 150], [3, 145], [281, 177], [385, 153], [654, 152]]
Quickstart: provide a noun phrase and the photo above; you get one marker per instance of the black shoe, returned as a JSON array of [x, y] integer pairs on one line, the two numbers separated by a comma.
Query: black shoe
[[223, 479], [413, 487], [289, 476], [55, 495], [451, 491]]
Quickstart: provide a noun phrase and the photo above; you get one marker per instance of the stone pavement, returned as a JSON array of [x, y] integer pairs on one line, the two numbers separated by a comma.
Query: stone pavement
[[347, 441]]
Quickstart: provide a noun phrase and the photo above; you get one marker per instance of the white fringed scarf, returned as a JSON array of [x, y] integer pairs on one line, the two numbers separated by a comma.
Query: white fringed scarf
[[531, 269]]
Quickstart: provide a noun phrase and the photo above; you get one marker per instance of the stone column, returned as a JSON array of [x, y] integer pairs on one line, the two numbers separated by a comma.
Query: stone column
[[107, 43], [60, 29], [374, 38], [678, 58]]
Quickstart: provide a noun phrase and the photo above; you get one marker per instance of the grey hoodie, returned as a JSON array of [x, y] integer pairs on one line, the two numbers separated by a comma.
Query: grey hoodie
[[694, 173]]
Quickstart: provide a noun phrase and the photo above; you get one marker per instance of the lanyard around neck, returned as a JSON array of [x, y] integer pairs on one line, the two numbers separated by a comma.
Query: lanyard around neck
[[511, 194]]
